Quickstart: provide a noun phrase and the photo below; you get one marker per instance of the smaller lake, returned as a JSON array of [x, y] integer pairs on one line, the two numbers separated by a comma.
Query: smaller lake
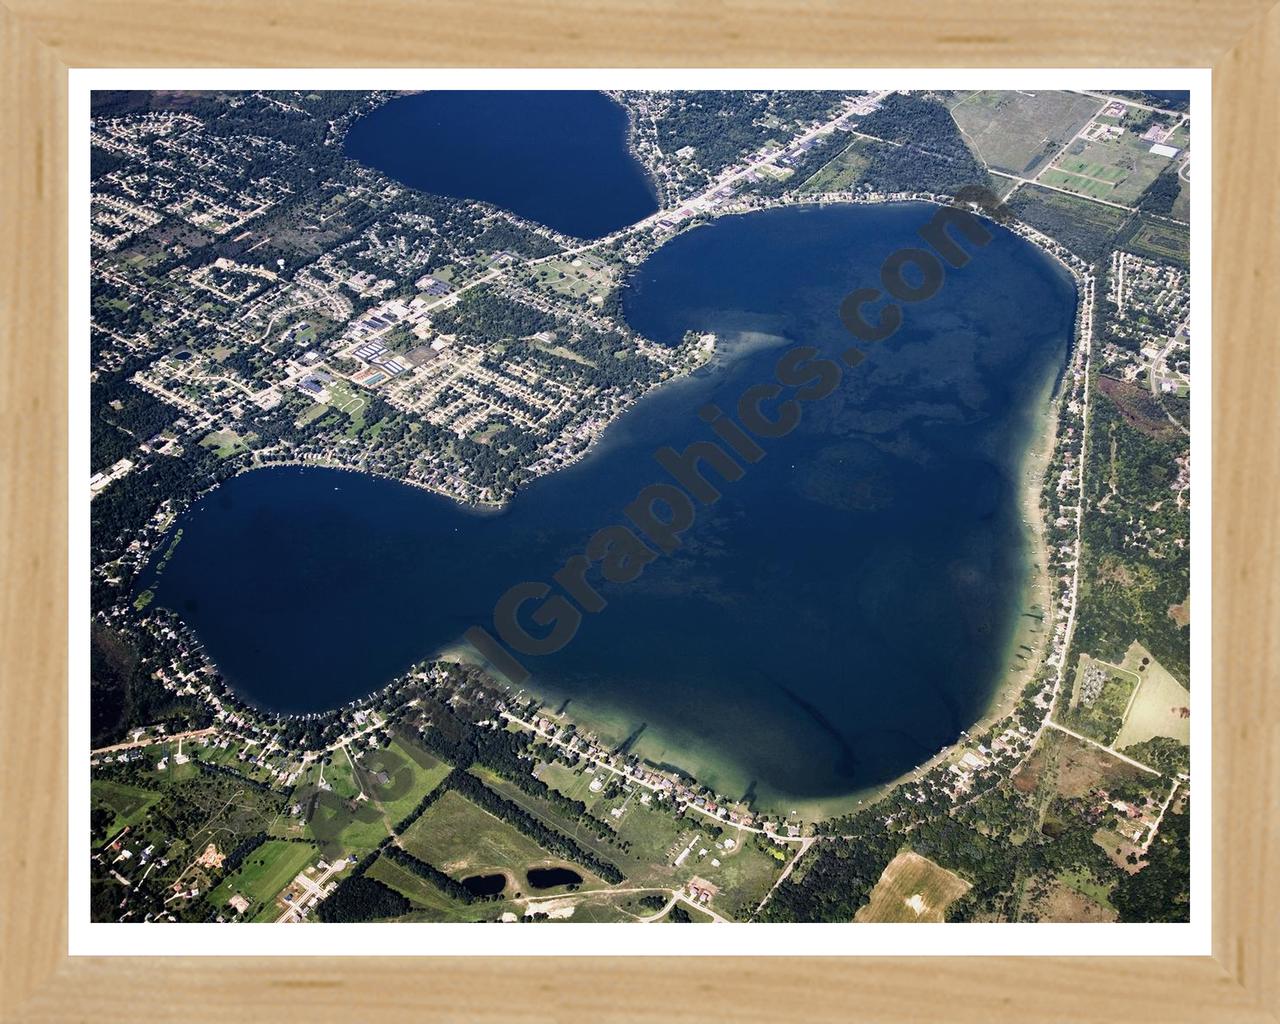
[[559, 158], [485, 885], [549, 878]]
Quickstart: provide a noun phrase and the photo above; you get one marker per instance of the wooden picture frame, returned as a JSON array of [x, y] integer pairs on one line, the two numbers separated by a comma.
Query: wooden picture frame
[[42, 39]]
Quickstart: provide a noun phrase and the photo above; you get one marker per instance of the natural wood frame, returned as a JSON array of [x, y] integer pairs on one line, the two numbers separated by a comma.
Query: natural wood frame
[[41, 39]]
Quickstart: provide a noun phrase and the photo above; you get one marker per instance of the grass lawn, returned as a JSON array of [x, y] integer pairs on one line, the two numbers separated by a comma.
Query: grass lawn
[[312, 412], [340, 776], [346, 398], [912, 889], [574, 278], [267, 870]]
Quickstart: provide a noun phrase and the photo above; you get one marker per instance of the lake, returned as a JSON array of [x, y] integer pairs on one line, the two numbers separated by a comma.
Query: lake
[[846, 609], [559, 158]]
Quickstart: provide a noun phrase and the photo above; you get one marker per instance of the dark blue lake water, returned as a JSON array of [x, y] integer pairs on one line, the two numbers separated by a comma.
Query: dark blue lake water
[[841, 613], [559, 158]]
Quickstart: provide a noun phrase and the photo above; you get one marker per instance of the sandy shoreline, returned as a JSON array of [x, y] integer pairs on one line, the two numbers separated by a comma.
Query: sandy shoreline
[[612, 726]]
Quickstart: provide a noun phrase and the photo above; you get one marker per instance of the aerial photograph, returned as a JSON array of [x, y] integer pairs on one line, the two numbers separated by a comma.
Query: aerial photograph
[[638, 506]]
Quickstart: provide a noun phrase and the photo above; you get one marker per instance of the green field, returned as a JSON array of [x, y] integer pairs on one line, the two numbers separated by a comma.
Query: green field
[[1158, 239], [1117, 170], [744, 876], [347, 398], [225, 443], [343, 827], [460, 839], [429, 903], [649, 837], [647, 832], [1018, 131], [262, 876], [1157, 708], [1081, 879], [842, 171], [411, 772], [575, 278], [912, 889], [340, 776], [129, 803]]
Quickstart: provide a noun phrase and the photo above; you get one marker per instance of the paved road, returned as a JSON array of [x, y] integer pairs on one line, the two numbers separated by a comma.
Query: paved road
[[151, 742]]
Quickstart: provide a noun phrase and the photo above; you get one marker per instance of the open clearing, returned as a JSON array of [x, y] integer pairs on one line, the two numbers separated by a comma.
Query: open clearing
[[1073, 768], [1067, 904], [1117, 170], [429, 903], [1161, 707], [267, 870], [411, 773], [912, 889], [460, 839], [129, 803], [1157, 239], [843, 170], [1018, 132], [225, 442]]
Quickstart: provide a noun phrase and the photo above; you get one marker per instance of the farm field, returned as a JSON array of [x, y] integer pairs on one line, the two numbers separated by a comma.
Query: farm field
[[1158, 709], [1117, 170], [460, 839], [266, 871], [912, 889], [1018, 132]]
